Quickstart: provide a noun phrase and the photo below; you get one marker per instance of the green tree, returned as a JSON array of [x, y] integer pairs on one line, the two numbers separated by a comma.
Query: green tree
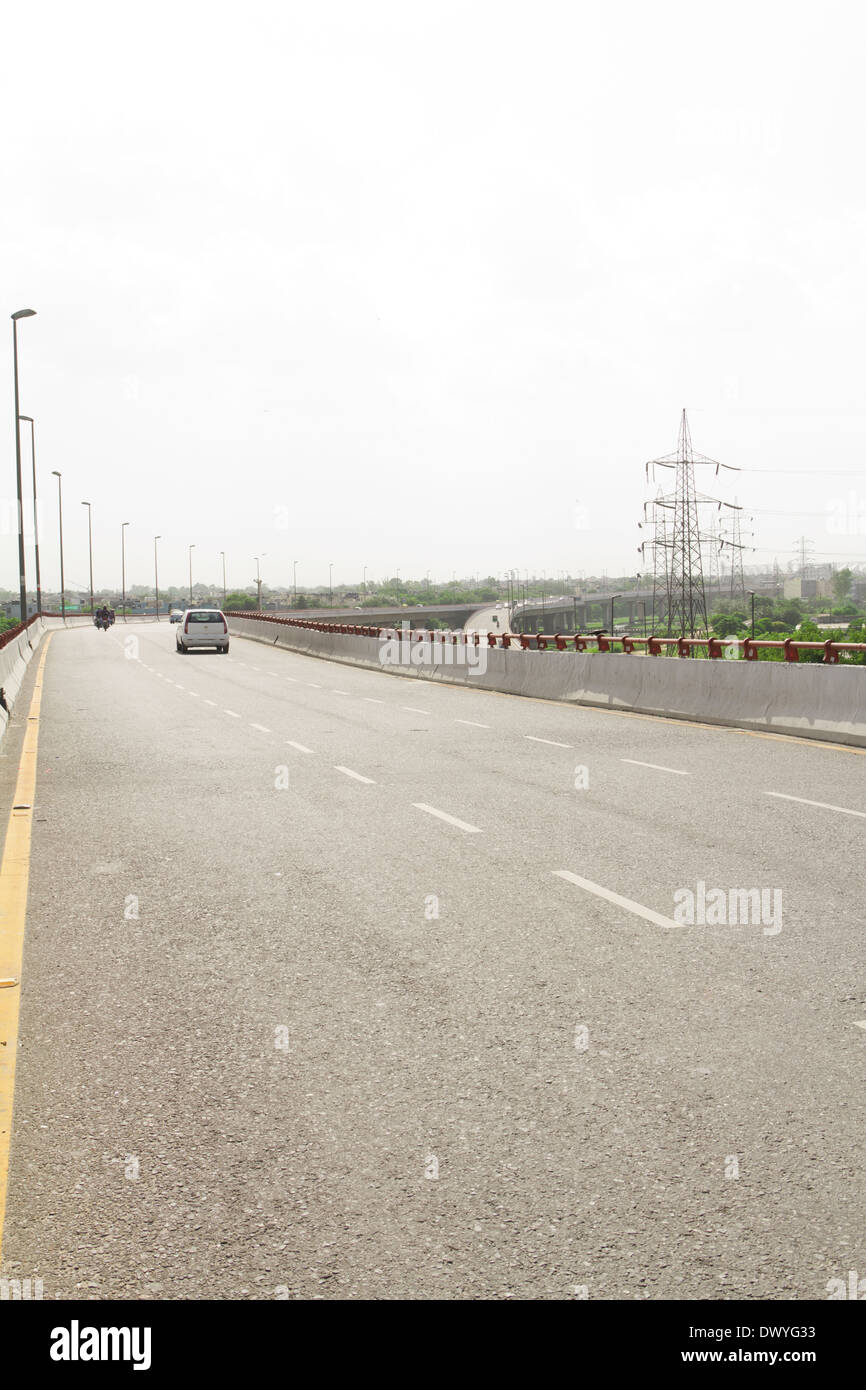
[[842, 583], [238, 600]]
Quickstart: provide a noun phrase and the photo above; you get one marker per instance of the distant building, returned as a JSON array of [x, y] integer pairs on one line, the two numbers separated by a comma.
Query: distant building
[[801, 588], [13, 609]]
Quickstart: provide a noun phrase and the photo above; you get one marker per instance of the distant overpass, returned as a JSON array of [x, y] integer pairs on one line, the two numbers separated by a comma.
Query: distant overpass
[[452, 614], [588, 612]]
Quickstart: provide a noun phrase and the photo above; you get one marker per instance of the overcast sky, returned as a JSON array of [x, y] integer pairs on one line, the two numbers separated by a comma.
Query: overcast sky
[[423, 285]]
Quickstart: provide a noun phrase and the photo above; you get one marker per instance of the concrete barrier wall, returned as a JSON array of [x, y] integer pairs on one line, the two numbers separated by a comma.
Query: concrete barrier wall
[[15, 657], [815, 701]]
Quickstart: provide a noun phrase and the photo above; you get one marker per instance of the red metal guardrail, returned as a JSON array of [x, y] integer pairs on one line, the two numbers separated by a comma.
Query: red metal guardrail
[[716, 647], [12, 632]]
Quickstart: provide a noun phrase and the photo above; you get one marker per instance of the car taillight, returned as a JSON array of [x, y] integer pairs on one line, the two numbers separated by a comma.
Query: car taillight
[[225, 626], [186, 626]]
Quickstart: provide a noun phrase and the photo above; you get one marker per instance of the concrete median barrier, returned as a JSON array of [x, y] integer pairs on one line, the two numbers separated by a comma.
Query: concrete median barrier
[[813, 701]]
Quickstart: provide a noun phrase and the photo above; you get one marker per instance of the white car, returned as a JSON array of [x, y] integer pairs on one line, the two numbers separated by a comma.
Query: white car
[[202, 627]]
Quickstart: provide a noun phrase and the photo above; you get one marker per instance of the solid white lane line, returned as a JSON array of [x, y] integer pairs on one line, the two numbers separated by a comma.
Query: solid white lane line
[[412, 709], [452, 820], [472, 723], [552, 741], [300, 746], [637, 908], [357, 776], [372, 701], [211, 702], [232, 713], [677, 771], [824, 805], [261, 728]]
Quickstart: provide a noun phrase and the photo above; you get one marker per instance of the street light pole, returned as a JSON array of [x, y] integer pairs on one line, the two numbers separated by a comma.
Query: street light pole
[[331, 584], [295, 582], [90, 545], [752, 592], [60, 519], [191, 549], [35, 514], [258, 586], [22, 577], [123, 527], [156, 575], [223, 554], [613, 599]]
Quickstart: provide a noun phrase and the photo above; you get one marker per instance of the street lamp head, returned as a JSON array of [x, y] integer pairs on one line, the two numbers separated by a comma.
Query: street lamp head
[[28, 418], [85, 504], [24, 314], [157, 538], [55, 473]]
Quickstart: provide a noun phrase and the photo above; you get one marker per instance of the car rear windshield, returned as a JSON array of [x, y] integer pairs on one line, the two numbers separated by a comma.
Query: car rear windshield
[[205, 617]]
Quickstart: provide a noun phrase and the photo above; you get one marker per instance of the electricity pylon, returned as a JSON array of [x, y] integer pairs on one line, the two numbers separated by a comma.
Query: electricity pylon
[[687, 601]]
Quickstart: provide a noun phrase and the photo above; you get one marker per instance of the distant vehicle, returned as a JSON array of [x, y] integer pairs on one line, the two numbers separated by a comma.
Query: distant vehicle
[[176, 615], [203, 627]]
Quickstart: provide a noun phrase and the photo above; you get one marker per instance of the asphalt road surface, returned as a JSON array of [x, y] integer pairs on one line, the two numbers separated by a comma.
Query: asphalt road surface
[[308, 1009]]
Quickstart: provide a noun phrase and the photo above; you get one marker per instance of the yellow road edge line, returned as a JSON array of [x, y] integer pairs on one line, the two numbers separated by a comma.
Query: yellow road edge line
[[14, 883]]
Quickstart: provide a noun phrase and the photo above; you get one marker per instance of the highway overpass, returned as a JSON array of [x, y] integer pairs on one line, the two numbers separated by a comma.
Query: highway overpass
[[338, 984]]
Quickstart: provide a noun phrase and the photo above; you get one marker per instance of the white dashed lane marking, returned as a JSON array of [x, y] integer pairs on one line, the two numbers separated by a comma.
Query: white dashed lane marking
[[616, 898], [413, 710], [472, 723], [300, 746], [551, 741], [232, 713], [822, 805], [677, 771], [211, 702], [452, 820], [261, 728], [357, 776], [371, 700]]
